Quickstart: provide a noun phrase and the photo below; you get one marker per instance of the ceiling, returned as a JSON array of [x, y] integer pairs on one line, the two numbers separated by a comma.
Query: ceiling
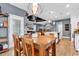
[[52, 11]]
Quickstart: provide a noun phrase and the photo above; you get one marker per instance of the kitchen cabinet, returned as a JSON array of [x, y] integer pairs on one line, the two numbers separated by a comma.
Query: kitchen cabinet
[[77, 41], [4, 32]]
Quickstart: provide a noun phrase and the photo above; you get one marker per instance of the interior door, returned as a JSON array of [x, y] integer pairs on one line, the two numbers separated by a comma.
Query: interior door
[[59, 29]]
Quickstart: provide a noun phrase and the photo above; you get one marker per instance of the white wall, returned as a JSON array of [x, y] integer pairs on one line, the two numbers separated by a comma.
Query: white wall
[[10, 30], [74, 21]]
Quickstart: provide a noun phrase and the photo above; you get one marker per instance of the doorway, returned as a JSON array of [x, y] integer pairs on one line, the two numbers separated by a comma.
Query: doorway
[[63, 27], [16, 26], [59, 29]]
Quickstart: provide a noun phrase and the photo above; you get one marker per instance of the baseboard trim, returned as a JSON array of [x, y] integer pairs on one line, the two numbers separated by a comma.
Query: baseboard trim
[[65, 37]]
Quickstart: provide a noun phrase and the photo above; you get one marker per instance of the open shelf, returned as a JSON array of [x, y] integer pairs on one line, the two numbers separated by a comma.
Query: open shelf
[[4, 50], [4, 31], [3, 27], [4, 14], [3, 40]]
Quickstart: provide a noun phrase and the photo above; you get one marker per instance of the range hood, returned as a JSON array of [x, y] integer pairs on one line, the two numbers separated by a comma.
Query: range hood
[[37, 19]]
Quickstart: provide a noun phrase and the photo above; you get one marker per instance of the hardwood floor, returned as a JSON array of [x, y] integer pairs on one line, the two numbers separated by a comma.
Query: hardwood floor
[[63, 48]]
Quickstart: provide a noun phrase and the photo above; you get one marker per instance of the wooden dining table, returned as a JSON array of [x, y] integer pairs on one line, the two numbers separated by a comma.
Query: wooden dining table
[[43, 44]]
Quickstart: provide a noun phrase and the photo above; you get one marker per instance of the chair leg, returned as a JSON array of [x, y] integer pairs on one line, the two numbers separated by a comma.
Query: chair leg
[[15, 53], [19, 54], [54, 49]]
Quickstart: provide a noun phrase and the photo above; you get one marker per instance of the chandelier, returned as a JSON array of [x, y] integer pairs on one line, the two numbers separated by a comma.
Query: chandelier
[[34, 11], [34, 8]]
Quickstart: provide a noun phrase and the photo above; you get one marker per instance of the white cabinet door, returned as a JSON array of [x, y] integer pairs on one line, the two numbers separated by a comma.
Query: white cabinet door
[[77, 42]]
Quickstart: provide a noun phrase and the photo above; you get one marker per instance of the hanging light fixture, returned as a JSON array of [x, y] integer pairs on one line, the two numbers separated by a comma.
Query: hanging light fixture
[[34, 8], [34, 11], [50, 14]]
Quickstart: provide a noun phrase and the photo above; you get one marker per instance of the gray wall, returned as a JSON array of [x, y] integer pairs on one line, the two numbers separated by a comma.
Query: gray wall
[[12, 9], [66, 33], [65, 21], [5, 7], [38, 27]]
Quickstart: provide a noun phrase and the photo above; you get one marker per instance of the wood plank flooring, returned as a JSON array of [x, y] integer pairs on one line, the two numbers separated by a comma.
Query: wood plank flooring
[[63, 48]]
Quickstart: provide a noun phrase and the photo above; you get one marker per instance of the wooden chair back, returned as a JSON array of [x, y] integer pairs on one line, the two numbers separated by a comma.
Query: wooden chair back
[[17, 47], [42, 39], [28, 47], [24, 46], [39, 34]]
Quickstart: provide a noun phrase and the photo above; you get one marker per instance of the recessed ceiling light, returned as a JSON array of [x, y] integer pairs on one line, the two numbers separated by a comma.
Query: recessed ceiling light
[[68, 5], [51, 12], [53, 23], [55, 16], [67, 13]]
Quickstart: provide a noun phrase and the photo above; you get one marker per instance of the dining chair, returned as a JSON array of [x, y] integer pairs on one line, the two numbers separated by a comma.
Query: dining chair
[[43, 39], [28, 35], [52, 48], [39, 34], [17, 46], [28, 46]]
